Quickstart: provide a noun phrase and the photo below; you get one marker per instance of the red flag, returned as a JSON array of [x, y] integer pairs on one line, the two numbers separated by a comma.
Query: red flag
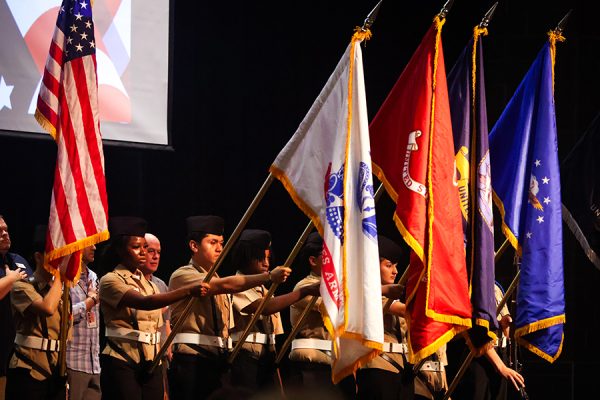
[[67, 108], [413, 155]]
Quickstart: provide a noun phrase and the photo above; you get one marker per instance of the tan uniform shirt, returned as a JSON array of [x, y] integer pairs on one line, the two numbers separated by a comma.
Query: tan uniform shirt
[[312, 328], [499, 295], [112, 288], [436, 379], [267, 324], [392, 331], [503, 311], [200, 320], [28, 323]]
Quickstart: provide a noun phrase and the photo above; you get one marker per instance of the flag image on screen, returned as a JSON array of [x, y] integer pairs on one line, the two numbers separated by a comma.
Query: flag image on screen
[[132, 95], [36, 18]]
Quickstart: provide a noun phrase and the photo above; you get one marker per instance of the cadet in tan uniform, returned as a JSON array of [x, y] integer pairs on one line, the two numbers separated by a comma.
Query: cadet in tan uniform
[[32, 373], [385, 377], [254, 366], [132, 310], [310, 355], [200, 348], [431, 381]]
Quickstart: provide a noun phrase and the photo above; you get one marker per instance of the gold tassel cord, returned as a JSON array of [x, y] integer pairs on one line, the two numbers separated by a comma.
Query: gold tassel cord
[[554, 36]]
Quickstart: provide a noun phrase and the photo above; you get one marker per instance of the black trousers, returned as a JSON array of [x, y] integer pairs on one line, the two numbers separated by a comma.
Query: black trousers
[[120, 381], [253, 374], [194, 377], [21, 386], [481, 381], [379, 384], [313, 380]]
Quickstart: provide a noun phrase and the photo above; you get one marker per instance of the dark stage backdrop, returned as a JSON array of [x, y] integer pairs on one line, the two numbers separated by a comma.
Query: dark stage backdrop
[[245, 73]]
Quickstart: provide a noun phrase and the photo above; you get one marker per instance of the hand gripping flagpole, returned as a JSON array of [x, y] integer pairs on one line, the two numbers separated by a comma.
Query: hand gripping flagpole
[[232, 239], [401, 281], [64, 329]]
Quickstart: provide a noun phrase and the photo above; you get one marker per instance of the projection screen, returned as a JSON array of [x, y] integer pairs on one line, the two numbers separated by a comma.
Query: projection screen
[[132, 41]]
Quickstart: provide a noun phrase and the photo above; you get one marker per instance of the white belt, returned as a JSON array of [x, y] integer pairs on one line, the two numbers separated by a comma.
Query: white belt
[[255, 337], [433, 366], [318, 344], [204, 340], [132, 334], [389, 347], [502, 343], [37, 343]]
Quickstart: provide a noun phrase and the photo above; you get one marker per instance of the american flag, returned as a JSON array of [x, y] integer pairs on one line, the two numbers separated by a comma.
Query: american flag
[[67, 108]]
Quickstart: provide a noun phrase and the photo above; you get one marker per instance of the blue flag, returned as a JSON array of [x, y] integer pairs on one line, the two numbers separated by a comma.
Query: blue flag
[[526, 182], [469, 125]]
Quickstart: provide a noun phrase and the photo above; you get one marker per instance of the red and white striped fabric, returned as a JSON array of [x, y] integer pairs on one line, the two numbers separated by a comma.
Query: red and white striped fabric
[[67, 108]]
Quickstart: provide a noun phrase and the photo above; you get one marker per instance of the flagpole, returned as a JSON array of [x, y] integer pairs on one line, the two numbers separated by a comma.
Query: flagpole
[[372, 16], [64, 329], [270, 293], [232, 239], [294, 332], [445, 9]]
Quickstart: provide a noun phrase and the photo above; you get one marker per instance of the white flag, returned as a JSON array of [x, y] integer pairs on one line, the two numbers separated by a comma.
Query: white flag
[[326, 168]]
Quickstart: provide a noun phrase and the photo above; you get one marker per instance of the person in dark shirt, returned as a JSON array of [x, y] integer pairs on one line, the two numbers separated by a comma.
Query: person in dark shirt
[[13, 267]]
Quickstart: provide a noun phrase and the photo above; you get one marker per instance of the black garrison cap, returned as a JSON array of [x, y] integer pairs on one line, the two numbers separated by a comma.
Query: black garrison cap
[[257, 237], [127, 226], [205, 223], [389, 249], [314, 239]]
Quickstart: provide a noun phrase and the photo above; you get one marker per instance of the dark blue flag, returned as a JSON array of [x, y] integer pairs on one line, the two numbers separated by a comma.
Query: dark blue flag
[[581, 172], [526, 182], [466, 87]]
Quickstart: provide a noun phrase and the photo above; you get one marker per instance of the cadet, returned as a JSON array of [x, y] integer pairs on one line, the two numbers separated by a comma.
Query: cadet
[[153, 252], [254, 366], [36, 303], [132, 310], [388, 376], [13, 267], [310, 355], [200, 348]]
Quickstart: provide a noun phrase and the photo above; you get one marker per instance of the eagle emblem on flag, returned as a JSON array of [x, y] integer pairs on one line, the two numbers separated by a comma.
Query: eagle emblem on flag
[[334, 197]]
